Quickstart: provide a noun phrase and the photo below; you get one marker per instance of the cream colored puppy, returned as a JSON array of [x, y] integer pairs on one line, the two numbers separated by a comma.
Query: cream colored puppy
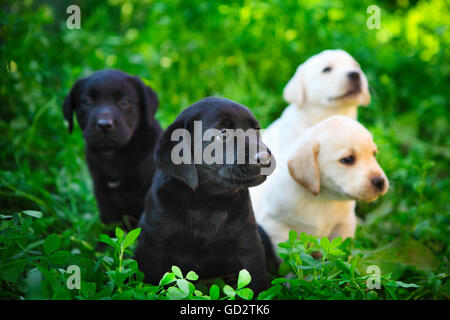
[[328, 168], [329, 83]]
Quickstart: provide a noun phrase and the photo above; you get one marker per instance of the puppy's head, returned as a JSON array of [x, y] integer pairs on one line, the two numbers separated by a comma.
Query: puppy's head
[[330, 79], [215, 144], [109, 106], [336, 158]]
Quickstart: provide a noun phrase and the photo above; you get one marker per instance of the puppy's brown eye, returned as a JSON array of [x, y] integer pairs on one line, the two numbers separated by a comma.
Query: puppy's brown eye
[[223, 135], [326, 69], [348, 160], [124, 103], [86, 101]]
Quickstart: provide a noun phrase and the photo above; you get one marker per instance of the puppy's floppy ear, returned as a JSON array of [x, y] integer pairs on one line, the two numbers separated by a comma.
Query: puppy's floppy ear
[[303, 165], [294, 91], [148, 99], [69, 103], [163, 155]]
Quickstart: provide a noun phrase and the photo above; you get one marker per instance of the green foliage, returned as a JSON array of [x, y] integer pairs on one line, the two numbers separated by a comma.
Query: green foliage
[[245, 51], [110, 275], [335, 275]]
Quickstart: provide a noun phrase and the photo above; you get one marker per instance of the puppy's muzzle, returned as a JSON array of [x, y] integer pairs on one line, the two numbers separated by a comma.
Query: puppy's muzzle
[[266, 162], [105, 122], [263, 158], [378, 183], [355, 81], [354, 76]]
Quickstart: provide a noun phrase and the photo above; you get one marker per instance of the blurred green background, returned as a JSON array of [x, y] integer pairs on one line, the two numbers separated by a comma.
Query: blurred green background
[[245, 51]]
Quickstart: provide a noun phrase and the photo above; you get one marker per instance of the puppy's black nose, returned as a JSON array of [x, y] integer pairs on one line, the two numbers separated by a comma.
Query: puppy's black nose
[[353, 76], [105, 123], [378, 183], [263, 158]]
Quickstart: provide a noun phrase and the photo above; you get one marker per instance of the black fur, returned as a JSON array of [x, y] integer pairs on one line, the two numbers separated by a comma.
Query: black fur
[[120, 154], [199, 217]]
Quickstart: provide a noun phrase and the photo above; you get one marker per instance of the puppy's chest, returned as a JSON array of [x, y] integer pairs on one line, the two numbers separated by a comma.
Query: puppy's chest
[[208, 225], [318, 217], [123, 182], [116, 172]]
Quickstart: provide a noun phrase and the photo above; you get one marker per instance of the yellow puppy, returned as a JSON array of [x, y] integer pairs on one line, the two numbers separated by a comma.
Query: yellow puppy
[[329, 83], [327, 169]]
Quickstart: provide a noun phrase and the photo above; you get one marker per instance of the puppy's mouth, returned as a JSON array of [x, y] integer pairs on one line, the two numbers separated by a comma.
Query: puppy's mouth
[[105, 144], [241, 177], [244, 181], [351, 93], [362, 198], [371, 199], [106, 140]]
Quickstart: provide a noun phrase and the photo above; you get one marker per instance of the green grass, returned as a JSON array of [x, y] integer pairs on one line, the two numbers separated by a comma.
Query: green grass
[[245, 51]]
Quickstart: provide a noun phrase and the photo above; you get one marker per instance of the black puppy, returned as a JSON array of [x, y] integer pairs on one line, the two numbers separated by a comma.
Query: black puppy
[[199, 216], [116, 113]]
